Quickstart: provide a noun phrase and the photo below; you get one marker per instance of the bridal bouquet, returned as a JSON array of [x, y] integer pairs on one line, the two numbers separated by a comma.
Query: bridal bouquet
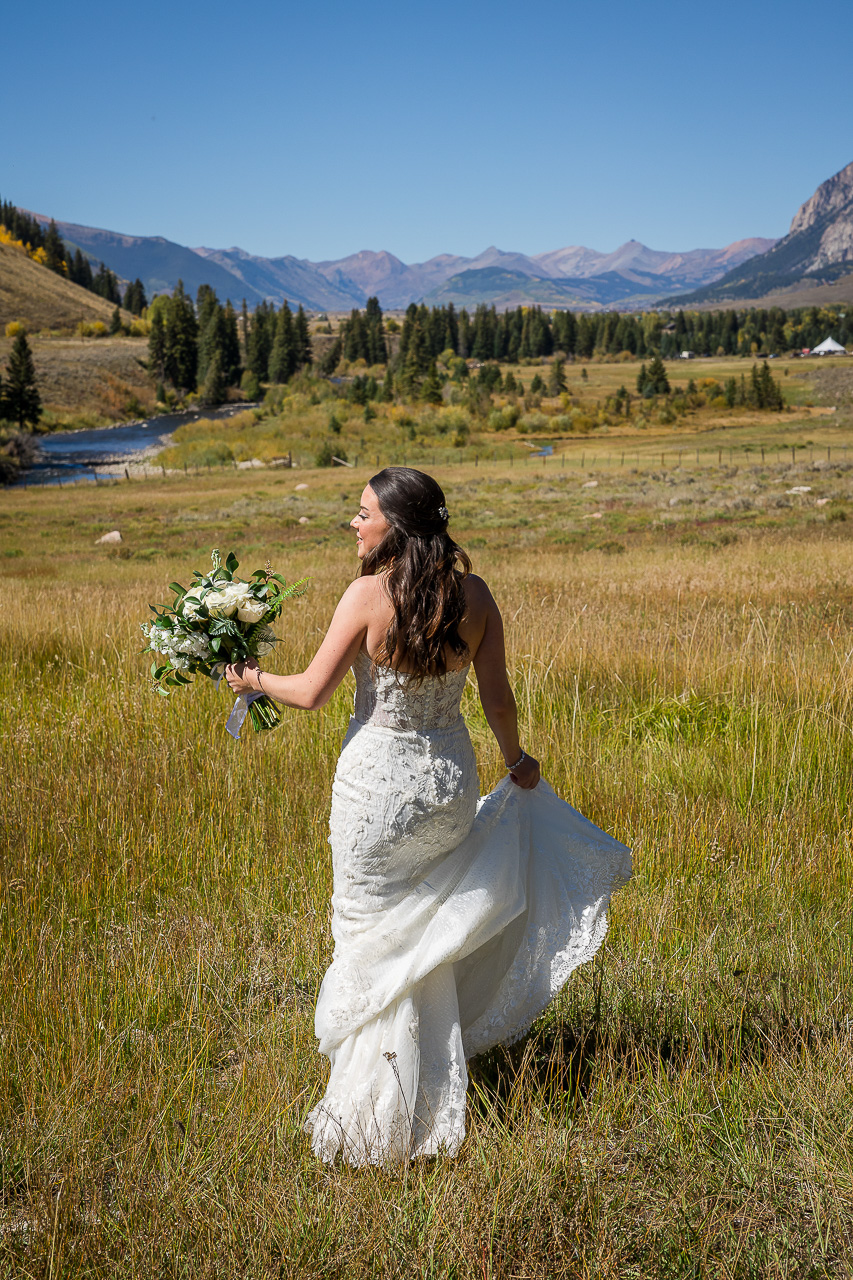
[[216, 620]]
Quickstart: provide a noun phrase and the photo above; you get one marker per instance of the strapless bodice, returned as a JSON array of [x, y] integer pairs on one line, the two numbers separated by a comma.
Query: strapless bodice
[[395, 701]]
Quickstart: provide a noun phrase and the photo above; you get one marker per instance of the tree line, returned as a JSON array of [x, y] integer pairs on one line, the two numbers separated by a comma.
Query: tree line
[[48, 248], [197, 346], [429, 334]]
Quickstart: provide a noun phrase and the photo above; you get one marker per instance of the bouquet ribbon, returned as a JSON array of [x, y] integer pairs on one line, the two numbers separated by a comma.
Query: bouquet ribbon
[[239, 711]]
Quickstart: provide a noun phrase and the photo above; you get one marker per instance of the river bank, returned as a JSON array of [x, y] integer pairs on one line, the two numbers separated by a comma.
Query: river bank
[[112, 451]]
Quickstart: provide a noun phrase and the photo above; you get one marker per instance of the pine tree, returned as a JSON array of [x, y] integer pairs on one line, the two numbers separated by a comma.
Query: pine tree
[[21, 400], [431, 386], [377, 350], [283, 355], [304, 352], [642, 379], [244, 330], [260, 341], [208, 312], [557, 378], [115, 321], [181, 361], [231, 364], [157, 344], [55, 250], [213, 387], [81, 271], [657, 377]]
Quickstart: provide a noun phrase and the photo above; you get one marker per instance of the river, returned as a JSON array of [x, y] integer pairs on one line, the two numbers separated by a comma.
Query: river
[[104, 451]]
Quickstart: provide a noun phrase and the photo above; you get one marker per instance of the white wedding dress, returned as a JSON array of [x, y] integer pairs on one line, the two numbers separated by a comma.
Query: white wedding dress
[[455, 918]]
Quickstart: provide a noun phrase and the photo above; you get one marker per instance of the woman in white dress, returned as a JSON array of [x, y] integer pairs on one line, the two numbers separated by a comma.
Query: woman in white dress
[[455, 918]]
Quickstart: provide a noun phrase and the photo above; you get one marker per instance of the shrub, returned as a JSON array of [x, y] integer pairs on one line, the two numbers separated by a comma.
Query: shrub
[[534, 422], [504, 419], [14, 327], [326, 454], [250, 386]]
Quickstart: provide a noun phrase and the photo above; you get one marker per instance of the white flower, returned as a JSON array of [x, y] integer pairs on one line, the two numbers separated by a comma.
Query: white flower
[[251, 610], [221, 604], [190, 606]]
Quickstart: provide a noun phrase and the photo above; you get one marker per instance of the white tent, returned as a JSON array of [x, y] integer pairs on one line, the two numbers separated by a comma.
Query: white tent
[[829, 347]]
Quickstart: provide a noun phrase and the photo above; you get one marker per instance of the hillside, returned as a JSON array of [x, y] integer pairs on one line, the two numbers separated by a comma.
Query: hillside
[[817, 252], [501, 288], [41, 299], [159, 263]]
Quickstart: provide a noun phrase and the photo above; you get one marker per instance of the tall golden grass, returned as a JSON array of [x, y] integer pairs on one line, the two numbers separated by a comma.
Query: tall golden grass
[[682, 1110]]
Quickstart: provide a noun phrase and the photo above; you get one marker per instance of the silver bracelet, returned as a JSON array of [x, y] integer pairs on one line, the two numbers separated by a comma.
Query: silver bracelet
[[519, 761]]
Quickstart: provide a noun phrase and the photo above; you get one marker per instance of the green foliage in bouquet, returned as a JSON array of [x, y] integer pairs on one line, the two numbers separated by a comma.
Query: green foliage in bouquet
[[218, 619]]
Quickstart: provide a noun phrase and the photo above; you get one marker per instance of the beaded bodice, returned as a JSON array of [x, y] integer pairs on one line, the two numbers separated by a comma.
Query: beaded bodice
[[393, 700]]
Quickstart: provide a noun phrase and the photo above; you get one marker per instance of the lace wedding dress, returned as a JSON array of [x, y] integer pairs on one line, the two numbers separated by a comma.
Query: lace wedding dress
[[455, 918]]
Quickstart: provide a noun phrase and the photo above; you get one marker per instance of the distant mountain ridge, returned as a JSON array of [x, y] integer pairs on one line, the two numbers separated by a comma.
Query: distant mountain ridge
[[818, 249], [571, 276]]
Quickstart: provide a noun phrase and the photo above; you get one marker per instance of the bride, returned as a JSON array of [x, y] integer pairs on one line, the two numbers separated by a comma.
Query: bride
[[455, 918]]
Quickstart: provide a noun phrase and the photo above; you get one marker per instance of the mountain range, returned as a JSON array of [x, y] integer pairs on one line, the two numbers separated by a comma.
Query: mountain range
[[818, 250], [574, 276]]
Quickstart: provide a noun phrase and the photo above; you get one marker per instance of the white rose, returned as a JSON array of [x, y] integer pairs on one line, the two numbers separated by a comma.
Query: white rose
[[190, 606], [251, 610], [220, 604]]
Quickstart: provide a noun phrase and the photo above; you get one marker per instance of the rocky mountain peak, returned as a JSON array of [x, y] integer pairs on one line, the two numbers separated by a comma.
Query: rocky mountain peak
[[830, 198]]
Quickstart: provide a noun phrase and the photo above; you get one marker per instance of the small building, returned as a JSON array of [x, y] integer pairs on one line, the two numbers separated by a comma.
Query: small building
[[829, 347], [687, 355]]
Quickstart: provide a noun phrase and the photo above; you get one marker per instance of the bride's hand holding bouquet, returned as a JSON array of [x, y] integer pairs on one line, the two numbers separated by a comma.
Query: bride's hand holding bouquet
[[218, 620]]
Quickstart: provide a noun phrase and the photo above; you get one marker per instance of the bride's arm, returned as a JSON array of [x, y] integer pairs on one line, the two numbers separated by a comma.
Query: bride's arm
[[313, 687], [498, 699]]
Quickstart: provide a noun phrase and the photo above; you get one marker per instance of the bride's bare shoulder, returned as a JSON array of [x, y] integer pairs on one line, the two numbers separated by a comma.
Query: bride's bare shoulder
[[477, 593], [479, 602]]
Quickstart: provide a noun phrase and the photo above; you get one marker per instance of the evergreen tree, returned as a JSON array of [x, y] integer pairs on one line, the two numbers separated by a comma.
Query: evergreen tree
[[244, 330], [81, 271], [283, 355], [260, 341], [557, 378], [231, 364], [208, 313], [213, 387], [537, 385], [181, 362], [55, 250], [135, 300], [431, 386], [21, 400], [157, 344], [416, 363], [106, 285], [642, 379], [115, 321], [304, 352], [656, 377], [377, 352]]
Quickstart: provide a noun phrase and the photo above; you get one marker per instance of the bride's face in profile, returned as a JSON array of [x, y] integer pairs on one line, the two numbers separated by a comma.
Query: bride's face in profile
[[370, 525]]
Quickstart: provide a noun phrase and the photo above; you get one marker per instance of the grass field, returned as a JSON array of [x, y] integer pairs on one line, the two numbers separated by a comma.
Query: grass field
[[679, 641]]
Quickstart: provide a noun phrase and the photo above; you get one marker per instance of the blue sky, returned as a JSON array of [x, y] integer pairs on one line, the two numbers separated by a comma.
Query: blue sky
[[322, 129]]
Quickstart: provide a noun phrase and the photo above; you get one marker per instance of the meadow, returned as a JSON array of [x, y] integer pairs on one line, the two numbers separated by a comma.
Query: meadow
[[679, 642]]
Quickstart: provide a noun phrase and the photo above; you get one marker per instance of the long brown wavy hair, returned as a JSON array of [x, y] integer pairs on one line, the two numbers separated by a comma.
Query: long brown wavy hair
[[424, 573]]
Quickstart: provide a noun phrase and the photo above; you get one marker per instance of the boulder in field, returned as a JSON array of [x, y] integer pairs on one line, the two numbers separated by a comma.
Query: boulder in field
[[107, 538]]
